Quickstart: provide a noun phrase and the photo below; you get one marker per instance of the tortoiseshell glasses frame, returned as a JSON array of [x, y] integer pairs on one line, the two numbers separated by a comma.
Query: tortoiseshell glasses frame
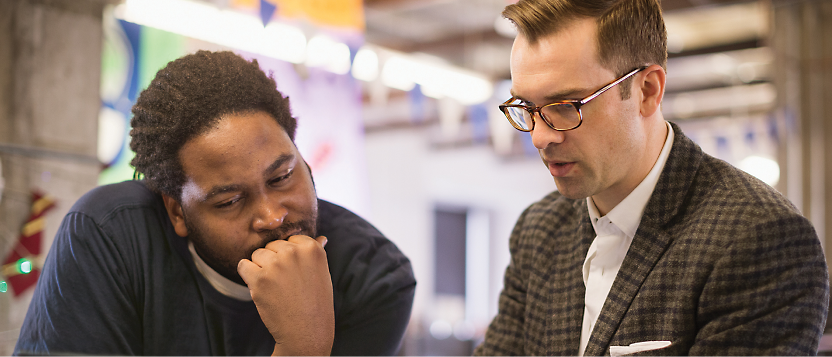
[[561, 115]]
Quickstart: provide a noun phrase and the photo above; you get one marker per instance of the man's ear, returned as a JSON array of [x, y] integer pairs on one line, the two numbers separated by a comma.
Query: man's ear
[[652, 90], [174, 209]]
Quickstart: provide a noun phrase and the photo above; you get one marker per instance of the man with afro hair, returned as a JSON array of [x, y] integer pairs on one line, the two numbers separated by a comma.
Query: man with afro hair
[[223, 248]]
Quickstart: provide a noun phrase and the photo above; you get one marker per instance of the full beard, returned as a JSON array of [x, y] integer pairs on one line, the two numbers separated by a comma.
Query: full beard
[[225, 262]]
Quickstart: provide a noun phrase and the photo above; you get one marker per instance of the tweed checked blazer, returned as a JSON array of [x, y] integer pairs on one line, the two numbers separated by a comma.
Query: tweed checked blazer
[[721, 264]]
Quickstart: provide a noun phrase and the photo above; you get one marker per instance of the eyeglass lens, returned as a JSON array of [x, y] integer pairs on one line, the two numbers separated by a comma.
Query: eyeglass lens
[[560, 116]]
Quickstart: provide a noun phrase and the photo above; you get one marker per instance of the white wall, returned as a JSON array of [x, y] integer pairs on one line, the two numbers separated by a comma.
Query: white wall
[[407, 179]]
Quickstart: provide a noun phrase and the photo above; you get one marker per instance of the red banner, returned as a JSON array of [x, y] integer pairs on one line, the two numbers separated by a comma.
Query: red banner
[[22, 266]]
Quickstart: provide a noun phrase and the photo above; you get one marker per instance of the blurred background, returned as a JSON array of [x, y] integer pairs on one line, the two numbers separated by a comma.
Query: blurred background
[[397, 108]]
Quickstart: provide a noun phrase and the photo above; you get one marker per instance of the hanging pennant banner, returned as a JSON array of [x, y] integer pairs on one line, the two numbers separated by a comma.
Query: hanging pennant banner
[[335, 13], [267, 10], [21, 268]]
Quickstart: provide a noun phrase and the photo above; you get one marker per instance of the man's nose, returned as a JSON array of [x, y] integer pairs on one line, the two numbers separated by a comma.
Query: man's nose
[[543, 135], [269, 215]]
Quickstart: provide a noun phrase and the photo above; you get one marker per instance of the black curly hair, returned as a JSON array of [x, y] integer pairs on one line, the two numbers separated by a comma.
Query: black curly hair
[[185, 99]]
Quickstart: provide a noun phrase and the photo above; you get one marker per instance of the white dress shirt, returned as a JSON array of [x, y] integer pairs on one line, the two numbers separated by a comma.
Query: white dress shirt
[[614, 233]]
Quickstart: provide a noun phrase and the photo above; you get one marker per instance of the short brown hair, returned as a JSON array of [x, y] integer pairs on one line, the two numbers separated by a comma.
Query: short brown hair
[[631, 33]]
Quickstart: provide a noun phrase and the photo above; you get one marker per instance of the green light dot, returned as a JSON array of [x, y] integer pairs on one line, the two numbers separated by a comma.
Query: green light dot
[[24, 266], [3, 287]]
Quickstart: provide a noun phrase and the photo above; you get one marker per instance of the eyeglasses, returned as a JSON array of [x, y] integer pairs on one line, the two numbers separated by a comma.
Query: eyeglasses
[[561, 116]]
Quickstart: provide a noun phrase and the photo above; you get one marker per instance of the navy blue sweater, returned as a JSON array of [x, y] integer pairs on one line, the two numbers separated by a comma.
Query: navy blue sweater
[[118, 280]]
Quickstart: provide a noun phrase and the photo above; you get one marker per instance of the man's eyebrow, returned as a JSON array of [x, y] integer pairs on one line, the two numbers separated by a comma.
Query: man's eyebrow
[[216, 190], [568, 94], [280, 161]]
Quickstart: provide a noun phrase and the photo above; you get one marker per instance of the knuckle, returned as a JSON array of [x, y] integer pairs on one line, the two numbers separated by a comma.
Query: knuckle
[[290, 249]]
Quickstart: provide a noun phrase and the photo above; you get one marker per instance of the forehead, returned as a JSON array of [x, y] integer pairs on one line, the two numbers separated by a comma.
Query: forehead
[[238, 147], [565, 60]]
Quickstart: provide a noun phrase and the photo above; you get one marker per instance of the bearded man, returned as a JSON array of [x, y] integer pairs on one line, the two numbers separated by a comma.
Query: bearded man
[[220, 249]]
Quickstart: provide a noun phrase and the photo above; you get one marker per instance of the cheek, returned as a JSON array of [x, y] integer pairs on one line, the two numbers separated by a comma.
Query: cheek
[[608, 147], [307, 204], [305, 197], [623, 145], [225, 235]]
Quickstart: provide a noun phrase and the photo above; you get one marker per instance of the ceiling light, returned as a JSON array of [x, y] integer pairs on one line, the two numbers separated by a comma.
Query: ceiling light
[[441, 329], [284, 42], [702, 27], [365, 65], [436, 80], [227, 28], [322, 51], [397, 73], [765, 169]]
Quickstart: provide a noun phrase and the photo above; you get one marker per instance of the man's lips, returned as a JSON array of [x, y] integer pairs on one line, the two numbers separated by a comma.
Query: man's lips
[[560, 168], [292, 233]]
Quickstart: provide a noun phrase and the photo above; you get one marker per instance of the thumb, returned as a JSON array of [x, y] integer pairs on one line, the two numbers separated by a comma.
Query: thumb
[[322, 240], [246, 268]]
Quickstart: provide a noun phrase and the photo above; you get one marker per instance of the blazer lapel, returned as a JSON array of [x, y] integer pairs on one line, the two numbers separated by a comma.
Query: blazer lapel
[[650, 241], [648, 246], [565, 344]]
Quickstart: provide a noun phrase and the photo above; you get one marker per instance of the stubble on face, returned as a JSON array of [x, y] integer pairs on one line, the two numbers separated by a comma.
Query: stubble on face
[[246, 193], [225, 261], [613, 154], [602, 150]]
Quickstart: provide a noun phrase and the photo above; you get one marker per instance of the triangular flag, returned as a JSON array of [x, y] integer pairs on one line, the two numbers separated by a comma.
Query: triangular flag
[[22, 266], [267, 9]]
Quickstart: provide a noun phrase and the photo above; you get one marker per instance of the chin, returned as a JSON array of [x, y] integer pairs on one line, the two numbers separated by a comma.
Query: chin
[[572, 192]]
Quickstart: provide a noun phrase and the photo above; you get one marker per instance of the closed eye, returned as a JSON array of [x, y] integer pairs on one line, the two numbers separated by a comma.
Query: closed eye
[[280, 179], [228, 203]]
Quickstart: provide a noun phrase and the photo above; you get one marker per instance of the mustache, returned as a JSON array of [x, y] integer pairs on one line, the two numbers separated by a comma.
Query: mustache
[[304, 227]]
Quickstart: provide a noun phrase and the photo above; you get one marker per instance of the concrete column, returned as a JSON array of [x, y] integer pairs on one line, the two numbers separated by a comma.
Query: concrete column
[[50, 65], [802, 43]]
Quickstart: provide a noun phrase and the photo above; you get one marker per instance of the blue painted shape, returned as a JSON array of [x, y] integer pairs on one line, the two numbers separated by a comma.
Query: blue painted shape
[[267, 9]]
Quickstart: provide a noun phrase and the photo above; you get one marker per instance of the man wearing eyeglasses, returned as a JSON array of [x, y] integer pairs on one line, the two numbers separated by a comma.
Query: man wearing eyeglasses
[[649, 246]]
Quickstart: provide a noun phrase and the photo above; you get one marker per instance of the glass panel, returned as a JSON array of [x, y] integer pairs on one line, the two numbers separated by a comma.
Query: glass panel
[[521, 117], [562, 115]]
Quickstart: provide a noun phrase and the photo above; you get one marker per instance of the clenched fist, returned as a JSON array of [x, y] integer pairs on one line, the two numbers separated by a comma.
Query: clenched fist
[[292, 289]]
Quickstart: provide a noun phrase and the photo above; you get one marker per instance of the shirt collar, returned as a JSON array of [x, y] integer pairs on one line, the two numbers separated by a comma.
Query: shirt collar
[[219, 282], [627, 214]]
